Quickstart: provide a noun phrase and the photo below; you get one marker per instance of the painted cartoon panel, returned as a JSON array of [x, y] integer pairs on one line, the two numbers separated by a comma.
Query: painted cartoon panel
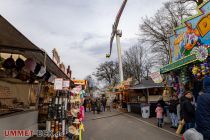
[[194, 33]]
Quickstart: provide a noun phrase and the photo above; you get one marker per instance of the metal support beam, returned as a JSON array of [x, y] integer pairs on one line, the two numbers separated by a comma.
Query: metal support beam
[[118, 35]]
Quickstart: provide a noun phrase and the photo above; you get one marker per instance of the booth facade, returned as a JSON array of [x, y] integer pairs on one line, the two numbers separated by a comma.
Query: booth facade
[[25, 69], [189, 47]]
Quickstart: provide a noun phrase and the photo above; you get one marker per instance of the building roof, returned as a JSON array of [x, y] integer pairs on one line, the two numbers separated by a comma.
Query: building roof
[[12, 41], [146, 84]]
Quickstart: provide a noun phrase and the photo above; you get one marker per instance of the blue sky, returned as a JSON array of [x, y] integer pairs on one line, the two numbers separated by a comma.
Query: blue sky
[[79, 29]]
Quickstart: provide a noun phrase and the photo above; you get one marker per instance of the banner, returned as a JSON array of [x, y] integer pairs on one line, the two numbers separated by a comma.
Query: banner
[[156, 77], [80, 82]]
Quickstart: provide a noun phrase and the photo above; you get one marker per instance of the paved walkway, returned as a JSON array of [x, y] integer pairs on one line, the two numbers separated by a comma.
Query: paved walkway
[[91, 116], [153, 121], [123, 126]]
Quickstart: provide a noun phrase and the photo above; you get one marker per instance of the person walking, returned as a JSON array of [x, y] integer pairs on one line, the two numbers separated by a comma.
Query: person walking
[[159, 115], [85, 104], [203, 111], [93, 105], [108, 104], [188, 111], [89, 105], [98, 105], [163, 105], [173, 111], [103, 101]]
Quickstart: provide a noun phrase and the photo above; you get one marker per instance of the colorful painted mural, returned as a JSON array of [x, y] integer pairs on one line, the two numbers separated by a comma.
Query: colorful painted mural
[[194, 33]]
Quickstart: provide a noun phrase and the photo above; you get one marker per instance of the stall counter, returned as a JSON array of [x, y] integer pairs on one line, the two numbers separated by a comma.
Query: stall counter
[[135, 107]]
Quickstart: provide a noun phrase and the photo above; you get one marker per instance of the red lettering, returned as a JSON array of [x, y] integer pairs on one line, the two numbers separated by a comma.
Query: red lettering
[[28, 133], [13, 133], [6, 133], [20, 133]]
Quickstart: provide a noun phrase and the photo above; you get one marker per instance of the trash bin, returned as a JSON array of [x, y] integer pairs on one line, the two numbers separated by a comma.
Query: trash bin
[[129, 107], [145, 111]]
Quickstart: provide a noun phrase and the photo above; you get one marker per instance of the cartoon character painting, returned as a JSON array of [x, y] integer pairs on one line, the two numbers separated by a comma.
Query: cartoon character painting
[[192, 39], [177, 43], [192, 34], [185, 41]]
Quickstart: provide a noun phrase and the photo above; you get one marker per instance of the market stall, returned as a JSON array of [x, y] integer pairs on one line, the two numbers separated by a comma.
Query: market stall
[[24, 70], [189, 53], [145, 94]]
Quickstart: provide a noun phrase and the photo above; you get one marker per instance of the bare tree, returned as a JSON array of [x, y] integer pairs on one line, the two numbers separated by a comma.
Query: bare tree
[[136, 63], [108, 72], [154, 31], [198, 2]]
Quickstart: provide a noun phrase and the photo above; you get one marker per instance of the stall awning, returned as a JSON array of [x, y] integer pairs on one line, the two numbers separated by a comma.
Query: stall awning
[[182, 62], [146, 84], [12, 41]]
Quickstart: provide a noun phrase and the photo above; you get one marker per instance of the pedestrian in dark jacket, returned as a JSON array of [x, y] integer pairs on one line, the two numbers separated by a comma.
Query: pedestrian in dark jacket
[[173, 111], [203, 110], [103, 101], [98, 105], [93, 105], [182, 100], [188, 111], [85, 104]]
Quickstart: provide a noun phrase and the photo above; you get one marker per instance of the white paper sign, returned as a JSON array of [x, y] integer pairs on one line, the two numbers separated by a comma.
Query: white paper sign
[[156, 77], [66, 83], [58, 85]]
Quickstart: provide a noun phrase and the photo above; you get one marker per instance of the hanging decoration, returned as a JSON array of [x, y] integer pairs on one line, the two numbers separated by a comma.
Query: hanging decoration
[[184, 77], [201, 52], [199, 72]]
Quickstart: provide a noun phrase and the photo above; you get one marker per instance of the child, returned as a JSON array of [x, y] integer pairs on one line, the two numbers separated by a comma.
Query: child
[[159, 115]]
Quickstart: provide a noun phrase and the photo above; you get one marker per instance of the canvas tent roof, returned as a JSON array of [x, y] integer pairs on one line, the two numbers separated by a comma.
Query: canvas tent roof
[[146, 84], [12, 41]]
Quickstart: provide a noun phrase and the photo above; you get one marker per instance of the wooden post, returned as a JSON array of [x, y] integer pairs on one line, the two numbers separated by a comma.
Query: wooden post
[[147, 95], [38, 95]]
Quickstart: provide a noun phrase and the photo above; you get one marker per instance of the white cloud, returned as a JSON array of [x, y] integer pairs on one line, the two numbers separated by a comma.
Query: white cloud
[[79, 29]]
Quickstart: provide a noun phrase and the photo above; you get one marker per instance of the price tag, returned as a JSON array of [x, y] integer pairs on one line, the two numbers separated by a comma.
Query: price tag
[[58, 85], [66, 83]]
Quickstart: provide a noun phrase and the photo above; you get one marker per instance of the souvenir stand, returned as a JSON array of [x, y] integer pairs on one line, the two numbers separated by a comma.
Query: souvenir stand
[[75, 127], [189, 47], [24, 69], [58, 108], [65, 113]]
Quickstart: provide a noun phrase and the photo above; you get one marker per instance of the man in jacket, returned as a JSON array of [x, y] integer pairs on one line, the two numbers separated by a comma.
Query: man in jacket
[[203, 110], [188, 111]]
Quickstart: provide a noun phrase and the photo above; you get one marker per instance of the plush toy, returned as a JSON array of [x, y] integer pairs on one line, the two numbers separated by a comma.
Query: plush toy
[[203, 72], [202, 67], [195, 70]]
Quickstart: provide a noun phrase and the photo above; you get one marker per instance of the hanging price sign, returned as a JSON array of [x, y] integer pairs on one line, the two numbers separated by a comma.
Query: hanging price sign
[[66, 83], [58, 85]]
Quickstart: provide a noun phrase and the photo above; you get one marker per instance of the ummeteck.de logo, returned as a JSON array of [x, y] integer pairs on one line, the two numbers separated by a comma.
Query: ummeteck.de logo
[[30, 133], [18, 133]]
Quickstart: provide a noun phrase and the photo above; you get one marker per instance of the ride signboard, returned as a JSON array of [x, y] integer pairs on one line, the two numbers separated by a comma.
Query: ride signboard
[[190, 42]]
